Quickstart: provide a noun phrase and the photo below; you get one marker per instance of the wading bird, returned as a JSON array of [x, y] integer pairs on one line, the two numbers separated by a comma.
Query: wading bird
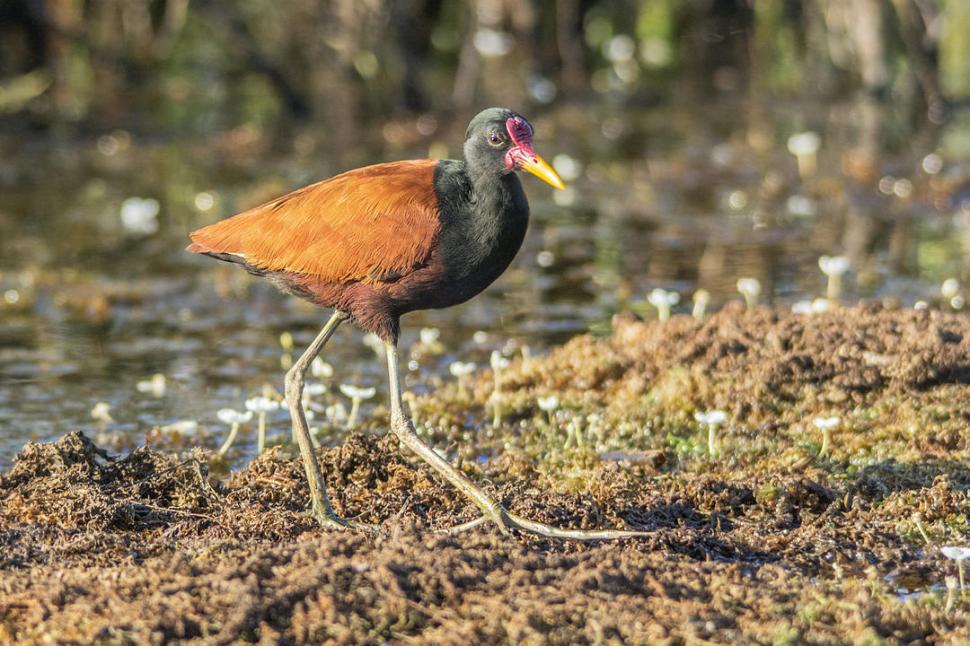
[[381, 241]]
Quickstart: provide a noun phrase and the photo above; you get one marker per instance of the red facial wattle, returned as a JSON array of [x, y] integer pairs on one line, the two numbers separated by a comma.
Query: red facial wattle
[[520, 132], [521, 155]]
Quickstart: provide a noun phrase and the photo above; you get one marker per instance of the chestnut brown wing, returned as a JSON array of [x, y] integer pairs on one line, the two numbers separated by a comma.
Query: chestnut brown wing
[[366, 224]]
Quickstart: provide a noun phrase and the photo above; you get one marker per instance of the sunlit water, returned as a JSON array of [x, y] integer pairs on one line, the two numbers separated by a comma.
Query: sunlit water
[[97, 295]]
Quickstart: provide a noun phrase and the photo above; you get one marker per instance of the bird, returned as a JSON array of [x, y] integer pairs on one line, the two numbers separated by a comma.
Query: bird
[[378, 242]]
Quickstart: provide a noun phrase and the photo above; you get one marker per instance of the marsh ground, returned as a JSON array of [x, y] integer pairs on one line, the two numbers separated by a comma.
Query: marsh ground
[[766, 542]]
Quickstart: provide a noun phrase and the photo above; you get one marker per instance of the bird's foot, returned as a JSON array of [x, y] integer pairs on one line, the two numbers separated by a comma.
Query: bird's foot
[[506, 520], [328, 519]]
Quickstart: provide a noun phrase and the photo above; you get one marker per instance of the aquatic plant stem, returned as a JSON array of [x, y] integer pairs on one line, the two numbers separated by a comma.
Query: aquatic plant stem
[[918, 519], [951, 594], [233, 432], [354, 411], [833, 288], [496, 411], [261, 433], [497, 396]]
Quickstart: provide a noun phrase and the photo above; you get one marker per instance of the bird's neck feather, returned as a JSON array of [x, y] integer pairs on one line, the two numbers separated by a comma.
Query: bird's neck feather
[[492, 195]]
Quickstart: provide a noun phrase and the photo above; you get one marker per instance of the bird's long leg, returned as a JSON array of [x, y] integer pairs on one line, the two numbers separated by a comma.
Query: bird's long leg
[[492, 510], [404, 430], [320, 502]]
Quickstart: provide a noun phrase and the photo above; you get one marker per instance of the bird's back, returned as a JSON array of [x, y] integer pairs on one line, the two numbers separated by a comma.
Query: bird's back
[[357, 226], [380, 241]]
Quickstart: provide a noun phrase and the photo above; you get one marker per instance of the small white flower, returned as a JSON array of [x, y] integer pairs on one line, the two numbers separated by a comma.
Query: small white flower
[[357, 392], [823, 423], [261, 404], [374, 342], [820, 305], [429, 335], [749, 286], [321, 369], [804, 143], [662, 298], [140, 215], [155, 385], [549, 403], [492, 43], [713, 417], [956, 552], [230, 416], [185, 427], [663, 301], [801, 206], [833, 265], [314, 389], [817, 306], [497, 361], [950, 288], [460, 369], [959, 554], [102, 412]]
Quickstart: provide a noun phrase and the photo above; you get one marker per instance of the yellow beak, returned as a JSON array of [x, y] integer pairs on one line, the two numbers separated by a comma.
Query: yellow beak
[[538, 167]]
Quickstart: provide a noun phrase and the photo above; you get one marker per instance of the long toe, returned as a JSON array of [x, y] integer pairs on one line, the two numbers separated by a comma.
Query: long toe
[[541, 529], [331, 521], [507, 521]]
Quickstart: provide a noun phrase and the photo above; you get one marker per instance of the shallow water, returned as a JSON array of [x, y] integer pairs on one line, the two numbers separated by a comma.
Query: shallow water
[[679, 199]]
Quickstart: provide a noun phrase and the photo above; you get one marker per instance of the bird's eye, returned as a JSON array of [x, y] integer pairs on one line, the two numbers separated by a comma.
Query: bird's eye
[[495, 138]]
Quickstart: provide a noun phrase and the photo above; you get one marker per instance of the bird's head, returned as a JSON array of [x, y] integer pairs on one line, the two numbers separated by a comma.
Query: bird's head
[[500, 141]]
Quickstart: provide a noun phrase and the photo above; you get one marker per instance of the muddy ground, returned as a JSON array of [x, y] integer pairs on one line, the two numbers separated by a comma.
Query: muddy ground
[[768, 541]]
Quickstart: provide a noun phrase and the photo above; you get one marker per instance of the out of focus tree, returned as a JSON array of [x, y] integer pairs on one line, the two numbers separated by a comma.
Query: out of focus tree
[[215, 63]]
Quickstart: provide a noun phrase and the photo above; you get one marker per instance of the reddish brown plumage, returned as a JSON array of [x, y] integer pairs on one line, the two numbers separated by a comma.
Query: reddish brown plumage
[[362, 225]]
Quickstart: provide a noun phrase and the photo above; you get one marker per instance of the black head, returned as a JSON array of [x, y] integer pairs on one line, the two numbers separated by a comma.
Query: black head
[[499, 141]]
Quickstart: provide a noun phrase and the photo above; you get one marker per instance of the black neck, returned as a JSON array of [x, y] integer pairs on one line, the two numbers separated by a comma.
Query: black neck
[[492, 193], [482, 208]]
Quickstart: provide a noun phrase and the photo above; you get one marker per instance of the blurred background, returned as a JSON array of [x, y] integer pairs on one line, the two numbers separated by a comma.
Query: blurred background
[[703, 141]]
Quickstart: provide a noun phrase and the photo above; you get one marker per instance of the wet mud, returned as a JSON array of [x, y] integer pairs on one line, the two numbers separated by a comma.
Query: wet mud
[[770, 540]]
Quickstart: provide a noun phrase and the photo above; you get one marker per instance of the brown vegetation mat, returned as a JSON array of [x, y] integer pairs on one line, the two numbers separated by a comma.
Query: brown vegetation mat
[[767, 543]]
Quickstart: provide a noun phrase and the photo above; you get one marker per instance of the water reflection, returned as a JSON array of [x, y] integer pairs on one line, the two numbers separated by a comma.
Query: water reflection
[[97, 295]]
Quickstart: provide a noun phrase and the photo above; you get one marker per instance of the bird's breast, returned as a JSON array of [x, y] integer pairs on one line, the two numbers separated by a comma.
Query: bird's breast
[[478, 238]]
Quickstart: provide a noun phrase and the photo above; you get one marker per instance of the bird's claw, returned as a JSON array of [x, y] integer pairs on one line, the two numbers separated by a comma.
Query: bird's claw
[[328, 519], [499, 516]]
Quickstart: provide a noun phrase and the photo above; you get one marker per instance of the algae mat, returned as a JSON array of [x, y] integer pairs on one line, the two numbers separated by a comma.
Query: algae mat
[[770, 540]]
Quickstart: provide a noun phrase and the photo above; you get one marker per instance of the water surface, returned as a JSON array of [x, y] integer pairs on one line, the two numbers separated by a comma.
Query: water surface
[[97, 294]]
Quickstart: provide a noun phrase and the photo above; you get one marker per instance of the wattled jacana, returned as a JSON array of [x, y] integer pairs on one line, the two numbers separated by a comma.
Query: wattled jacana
[[381, 241]]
